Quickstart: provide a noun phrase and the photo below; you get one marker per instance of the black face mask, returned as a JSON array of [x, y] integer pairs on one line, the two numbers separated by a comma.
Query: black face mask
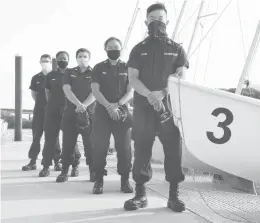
[[157, 29], [62, 64], [113, 54]]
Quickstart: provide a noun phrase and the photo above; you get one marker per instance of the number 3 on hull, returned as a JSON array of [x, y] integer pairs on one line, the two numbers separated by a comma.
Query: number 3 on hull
[[224, 125], [221, 129]]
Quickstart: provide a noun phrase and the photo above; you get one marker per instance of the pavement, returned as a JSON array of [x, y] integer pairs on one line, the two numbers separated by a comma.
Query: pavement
[[27, 198]]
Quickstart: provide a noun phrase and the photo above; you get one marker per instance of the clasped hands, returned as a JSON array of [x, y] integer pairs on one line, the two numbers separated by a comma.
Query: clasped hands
[[80, 108], [112, 110], [155, 99]]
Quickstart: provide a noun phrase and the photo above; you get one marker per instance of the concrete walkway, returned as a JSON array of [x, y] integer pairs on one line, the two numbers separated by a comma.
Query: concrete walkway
[[27, 198]]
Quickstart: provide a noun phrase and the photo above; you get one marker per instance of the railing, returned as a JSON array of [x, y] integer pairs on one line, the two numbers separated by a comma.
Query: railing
[[24, 111]]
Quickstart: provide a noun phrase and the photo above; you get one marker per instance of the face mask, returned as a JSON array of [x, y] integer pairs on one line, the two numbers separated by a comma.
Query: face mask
[[83, 62], [157, 29], [62, 64], [113, 54], [46, 66]]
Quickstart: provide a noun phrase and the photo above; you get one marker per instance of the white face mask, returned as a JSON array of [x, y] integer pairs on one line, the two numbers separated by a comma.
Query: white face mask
[[46, 66], [83, 62]]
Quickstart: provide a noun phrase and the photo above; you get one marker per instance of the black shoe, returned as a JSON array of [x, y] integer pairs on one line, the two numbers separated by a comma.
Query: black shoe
[[45, 172], [74, 171], [29, 166], [57, 167], [63, 177], [98, 186], [138, 201], [125, 185], [173, 202]]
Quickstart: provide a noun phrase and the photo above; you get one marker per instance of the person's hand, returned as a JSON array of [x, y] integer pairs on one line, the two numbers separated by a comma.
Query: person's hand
[[112, 107], [112, 110], [155, 97], [180, 71], [80, 108], [158, 106]]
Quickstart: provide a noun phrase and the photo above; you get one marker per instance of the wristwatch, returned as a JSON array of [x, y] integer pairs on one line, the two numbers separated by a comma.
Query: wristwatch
[[119, 103]]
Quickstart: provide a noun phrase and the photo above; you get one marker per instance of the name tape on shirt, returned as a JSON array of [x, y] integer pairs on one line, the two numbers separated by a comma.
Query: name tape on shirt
[[124, 74], [171, 54]]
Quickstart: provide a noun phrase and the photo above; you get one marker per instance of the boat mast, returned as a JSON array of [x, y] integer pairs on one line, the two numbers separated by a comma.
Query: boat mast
[[179, 20], [248, 62], [195, 28], [136, 11]]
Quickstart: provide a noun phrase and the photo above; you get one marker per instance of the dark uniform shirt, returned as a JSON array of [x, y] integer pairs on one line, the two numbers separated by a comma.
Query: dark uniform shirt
[[53, 83], [112, 79], [80, 85], [37, 85], [156, 61]]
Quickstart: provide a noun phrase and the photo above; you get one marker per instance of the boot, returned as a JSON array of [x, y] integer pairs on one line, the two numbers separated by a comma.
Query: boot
[[63, 177], [125, 185], [57, 166], [74, 171], [92, 176], [30, 166], [173, 202], [139, 200], [45, 172], [98, 186]]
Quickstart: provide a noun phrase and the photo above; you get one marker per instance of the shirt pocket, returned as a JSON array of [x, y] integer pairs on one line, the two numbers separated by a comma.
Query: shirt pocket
[[169, 61], [122, 82], [38, 86], [54, 82]]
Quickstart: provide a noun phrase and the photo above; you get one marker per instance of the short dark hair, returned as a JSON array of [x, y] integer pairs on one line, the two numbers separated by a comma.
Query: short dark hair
[[84, 50], [157, 6], [111, 39], [45, 56], [61, 52]]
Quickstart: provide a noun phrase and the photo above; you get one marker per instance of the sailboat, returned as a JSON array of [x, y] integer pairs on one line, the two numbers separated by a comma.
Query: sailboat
[[211, 125]]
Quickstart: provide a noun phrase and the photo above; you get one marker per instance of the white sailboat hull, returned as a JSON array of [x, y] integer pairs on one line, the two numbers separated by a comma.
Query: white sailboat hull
[[220, 129]]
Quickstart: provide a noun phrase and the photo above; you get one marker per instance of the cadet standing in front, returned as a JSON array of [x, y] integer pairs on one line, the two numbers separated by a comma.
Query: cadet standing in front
[[54, 110], [79, 99], [38, 95], [151, 63], [111, 88]]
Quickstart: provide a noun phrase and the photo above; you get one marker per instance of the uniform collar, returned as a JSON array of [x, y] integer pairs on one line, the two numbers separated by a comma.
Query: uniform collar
[[79, 71], [107, 62]]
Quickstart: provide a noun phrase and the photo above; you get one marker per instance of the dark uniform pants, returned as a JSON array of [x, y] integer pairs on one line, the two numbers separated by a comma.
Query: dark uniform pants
[[52, 127], [103, 126], [146, 125], [70, 135], [37, 132]]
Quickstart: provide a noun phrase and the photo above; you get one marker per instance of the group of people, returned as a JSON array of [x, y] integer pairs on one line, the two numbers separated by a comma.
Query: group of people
[[101, 95]]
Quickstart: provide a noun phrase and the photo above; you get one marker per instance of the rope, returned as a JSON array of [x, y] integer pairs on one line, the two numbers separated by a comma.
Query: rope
[[188, 21], [241, 30], [197, 62], [210, 45]]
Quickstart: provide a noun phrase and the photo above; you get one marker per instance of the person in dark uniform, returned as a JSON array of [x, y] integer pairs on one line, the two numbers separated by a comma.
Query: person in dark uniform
[[38, 95], [111, 88], [54, 110], [79, 99], [150, 64]]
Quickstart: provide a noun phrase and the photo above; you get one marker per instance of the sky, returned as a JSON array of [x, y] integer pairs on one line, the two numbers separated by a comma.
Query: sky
[[31, 28]]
